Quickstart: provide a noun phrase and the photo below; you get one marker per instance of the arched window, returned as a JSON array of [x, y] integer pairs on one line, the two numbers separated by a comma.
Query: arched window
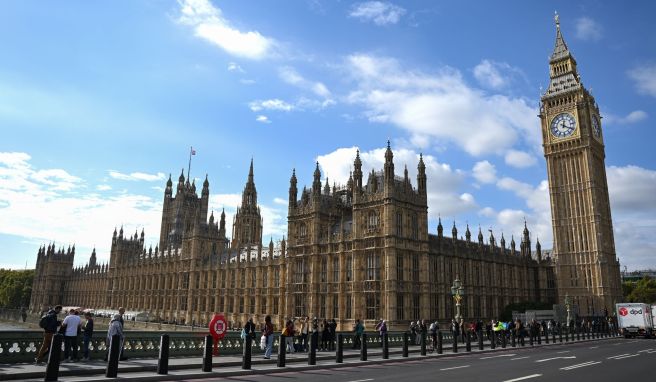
[[372, 220]]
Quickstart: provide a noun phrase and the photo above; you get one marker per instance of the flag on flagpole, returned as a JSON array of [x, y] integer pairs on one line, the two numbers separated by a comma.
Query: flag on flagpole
[[193, 152]]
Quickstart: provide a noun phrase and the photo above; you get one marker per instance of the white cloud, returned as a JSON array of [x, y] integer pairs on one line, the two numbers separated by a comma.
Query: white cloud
[[484, 172], [633, 117], [137, 176], [292, 77], [444, 184], [441, 107], [488, 73], [234, 67], [587, 29], [487, 212], [262, 119], [519, 159], [632, 188], [270, 104], [280, 201], [246, 81], [209, 24], [645, 79], [378, 12], [103, 187]]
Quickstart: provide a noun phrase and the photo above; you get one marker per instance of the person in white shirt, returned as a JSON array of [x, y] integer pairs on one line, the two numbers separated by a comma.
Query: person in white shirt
[[70, 326]]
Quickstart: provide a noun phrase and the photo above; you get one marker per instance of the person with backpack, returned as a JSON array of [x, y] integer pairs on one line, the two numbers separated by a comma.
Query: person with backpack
[[434, 327], [49, 324]]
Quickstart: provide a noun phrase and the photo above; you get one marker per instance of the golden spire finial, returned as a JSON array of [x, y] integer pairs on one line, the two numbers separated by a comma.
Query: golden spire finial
[[557, 19]]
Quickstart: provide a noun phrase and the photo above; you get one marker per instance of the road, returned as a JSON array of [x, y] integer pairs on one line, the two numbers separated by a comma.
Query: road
[[613, 360]]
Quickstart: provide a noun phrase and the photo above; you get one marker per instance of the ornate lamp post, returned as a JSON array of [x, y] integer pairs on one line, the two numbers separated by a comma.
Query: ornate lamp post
[[568, 307], [457, 291]]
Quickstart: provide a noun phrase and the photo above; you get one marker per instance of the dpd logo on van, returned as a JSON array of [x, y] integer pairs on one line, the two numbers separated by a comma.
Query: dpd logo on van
[[623, 312], [636, 311]]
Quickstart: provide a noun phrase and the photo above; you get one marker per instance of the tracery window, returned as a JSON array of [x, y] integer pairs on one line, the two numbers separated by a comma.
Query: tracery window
[[373, 267]]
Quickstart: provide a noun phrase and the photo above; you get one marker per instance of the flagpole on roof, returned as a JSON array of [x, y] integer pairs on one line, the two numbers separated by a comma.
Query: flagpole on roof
[[191, 152]]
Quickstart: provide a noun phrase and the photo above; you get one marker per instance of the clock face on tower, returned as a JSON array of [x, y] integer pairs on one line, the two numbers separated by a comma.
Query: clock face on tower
[[563, 125], [596, 127]]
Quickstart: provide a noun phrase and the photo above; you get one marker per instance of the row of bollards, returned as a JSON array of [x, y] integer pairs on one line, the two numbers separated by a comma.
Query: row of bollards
[[114, 351]]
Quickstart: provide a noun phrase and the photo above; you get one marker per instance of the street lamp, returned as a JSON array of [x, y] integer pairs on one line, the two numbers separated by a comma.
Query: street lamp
[[457, 291]]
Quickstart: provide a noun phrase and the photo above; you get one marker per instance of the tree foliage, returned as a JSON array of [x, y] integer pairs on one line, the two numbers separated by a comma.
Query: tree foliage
[[643, 291], [15, 287], [506, 314]]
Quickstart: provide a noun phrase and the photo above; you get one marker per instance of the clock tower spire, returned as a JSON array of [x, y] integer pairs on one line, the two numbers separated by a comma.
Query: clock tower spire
[[584, 248]]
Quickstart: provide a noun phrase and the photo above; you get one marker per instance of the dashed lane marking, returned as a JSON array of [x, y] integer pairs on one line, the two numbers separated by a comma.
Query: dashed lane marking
[[564, 351], [515, 359], [628, 356], [578, 365], [523, 378], [455, 367], [593, 347], [499, 356], [619, 355], [362, 380], [645, 351], [551, 359]]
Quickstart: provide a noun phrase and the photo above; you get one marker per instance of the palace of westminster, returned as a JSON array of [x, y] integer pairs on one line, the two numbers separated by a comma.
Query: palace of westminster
[[363, 250]]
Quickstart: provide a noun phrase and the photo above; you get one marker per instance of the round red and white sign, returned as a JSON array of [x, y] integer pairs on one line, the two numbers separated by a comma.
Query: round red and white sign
[[218, 326], [623, 312]]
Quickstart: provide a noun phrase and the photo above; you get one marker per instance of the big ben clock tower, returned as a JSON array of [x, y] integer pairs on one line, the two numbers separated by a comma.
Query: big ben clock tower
[[584, 249]]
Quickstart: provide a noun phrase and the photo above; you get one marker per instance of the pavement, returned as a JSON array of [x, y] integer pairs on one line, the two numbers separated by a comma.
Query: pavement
[[478, 365]]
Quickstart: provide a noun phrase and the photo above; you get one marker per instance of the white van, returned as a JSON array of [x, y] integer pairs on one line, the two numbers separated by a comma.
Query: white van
[[635, 319]]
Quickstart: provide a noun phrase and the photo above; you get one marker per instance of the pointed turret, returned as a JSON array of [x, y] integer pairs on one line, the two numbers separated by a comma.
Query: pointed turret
[[212, 217], [480, 236], [206, 186], [92, 259], [563, 73], [468, 234], [421, 176], [440, 229], [293, 191], [502, 242], [512, 245], [357, 172], [316, 184], [389, 167], [454, 231], [169, 187], [538, 249], [181, 181], [326, 188]]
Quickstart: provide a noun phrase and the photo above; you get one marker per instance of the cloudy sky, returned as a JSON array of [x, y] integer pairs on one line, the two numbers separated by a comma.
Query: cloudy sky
[[101, 101]]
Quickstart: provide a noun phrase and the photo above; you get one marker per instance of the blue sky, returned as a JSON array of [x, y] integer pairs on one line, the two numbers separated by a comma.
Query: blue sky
[[100, 101]]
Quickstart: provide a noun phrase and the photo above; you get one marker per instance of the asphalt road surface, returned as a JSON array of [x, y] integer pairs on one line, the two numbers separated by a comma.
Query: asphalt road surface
[[614, 360]]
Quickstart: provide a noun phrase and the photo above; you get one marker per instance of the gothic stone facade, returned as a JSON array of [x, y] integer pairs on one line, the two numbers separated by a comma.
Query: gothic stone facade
[[358, 251]]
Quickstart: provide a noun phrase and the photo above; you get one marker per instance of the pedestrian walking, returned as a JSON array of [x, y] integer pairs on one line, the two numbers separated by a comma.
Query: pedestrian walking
[[49, 324], [288, 332], [358, 329], [332, 326], [267, 333], [115, 328], [305, 329], [434, 327], [87, 334], [70, 327], [381, 327], [325, 335]]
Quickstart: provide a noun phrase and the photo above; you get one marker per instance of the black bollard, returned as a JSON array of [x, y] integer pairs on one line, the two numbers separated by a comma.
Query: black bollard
[[422, 342], [163, 360], [513, 339], [530, 338], [455, 344], [405, 344], [493, 340], [468, 342], [539, 338], [439, 342], [312, 355], [363, 349], [339, 355], [480, 341], [553, 338], [503, 340], [566, 335], [282, 351], [54, 358], [546, 338], [246, 359], [578, 334], [385, 346], [114, 351], [207, 354]]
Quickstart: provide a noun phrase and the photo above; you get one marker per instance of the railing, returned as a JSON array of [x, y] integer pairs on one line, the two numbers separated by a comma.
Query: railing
[[18, 346]]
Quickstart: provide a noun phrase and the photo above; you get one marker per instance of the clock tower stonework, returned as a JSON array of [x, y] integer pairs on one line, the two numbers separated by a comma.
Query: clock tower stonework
[[587, 268]]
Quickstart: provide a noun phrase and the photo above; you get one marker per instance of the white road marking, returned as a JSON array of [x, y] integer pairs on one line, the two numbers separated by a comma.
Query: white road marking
[[523, 378], [594, 347], [498, 356], [455, 367], [551, 359], [619, 355], [362, 380], [515, 359], [564, 351], [645, 351], [628, 356], [584, 364]]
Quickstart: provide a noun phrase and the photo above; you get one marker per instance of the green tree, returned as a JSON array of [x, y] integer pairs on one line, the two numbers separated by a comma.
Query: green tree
[[644, 291], [627, 288], [15, 287]]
